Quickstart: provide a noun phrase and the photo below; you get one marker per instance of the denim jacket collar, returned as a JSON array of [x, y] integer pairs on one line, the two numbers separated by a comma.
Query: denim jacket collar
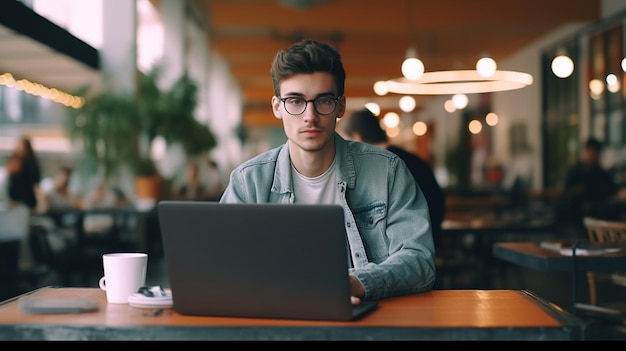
[[283, 183]]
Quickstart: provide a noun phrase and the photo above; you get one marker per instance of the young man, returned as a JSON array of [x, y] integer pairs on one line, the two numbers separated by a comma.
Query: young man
[[386, 214]]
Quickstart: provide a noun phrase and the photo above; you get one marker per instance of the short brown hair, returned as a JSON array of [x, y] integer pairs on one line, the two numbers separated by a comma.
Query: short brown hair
[[308, 56]]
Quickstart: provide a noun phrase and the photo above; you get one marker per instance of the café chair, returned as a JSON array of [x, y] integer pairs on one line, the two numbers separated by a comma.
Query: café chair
[[22, 266], [13, 230], [604, 231], [51, 264], [604, 319]]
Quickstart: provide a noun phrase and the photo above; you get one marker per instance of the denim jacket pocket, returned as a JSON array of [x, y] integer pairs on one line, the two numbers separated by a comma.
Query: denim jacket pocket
[[367, 217], [370, 221]]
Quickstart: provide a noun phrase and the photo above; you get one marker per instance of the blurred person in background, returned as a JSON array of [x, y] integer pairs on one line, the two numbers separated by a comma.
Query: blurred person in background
[[61, 196], [24, 176], [587, 187], [61, 200], [193, 188], [102, 197]]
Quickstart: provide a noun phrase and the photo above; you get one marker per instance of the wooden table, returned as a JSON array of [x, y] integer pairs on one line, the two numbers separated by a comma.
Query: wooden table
[[468, 243], [488, 225], [532, 255], [435, 315]]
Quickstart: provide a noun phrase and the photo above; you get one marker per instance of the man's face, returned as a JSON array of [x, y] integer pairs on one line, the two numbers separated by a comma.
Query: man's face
[[309, 131], [591, 156]]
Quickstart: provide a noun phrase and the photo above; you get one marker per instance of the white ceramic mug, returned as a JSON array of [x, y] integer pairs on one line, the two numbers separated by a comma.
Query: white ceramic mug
[[124, 273]]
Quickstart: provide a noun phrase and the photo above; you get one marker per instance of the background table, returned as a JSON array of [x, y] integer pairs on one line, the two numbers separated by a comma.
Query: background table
[[465, 260], [435, 315], [532, 255]]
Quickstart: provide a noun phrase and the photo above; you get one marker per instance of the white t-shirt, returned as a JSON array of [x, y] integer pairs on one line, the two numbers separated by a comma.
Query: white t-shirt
[[315, 190]]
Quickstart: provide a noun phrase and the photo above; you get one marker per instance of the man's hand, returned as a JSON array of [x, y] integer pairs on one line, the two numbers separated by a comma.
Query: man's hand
[[356, 290]]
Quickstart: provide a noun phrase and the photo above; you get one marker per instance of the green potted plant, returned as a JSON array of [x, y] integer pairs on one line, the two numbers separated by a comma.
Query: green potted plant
[[116, 130]]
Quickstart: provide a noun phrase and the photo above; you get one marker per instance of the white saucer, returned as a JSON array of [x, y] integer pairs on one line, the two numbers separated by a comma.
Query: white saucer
[[142, 301]]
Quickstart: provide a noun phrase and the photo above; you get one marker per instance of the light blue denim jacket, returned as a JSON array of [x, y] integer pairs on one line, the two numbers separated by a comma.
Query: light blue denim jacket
[[387, 220]]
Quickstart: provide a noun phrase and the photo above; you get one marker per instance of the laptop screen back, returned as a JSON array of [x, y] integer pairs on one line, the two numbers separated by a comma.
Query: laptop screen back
[[256, 260]]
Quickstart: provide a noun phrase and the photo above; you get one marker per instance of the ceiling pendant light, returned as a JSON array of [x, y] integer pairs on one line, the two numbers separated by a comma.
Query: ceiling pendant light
[[460, 101], [373, 107], [407, 103], [458, 82], [486, 66], [412, 67], [414, 81], [562, 66]]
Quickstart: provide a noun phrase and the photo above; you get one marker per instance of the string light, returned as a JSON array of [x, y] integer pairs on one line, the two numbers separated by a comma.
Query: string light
[[42, 91]]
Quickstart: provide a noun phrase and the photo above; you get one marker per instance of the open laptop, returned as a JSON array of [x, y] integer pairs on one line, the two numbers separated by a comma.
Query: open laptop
[[258, 260]]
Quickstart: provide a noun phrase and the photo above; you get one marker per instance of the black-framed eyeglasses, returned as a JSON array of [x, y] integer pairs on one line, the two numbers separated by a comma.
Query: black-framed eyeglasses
[[323, 105]]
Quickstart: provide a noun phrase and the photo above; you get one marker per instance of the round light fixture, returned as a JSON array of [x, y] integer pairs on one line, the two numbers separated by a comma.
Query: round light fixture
[[380, 88], [459, 82], [562, 66], [460, 101], [449, 106], [419, 128], [486, 67], [373, 107], [412, 68], [391, 120], [612, 83], [596, 88], [491, 119], [475, 126], [407, 103]]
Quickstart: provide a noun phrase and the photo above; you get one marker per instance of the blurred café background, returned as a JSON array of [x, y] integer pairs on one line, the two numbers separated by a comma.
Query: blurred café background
[[107, 87]]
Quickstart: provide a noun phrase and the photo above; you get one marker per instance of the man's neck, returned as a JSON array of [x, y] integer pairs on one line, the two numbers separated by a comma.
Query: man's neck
[[312, 163]]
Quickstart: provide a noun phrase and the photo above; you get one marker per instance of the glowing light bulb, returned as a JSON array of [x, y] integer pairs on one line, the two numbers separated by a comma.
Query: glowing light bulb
[[412, 68], [612, 83], [562, 66], [449, 106], [419, 128], [596, 88], [475, 126], [460, 101], [486, 67], [380, 88], [391, 120], [373, 107], [491, 119], [407, 103]]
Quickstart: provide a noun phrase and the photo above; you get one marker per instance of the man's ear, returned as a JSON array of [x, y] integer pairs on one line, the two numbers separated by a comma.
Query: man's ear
[[276, 107], [341, 107]]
